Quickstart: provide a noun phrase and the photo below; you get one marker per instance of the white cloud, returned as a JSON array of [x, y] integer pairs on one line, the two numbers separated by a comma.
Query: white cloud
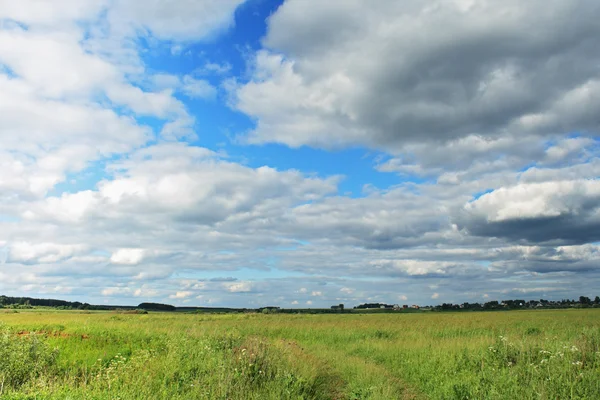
[[57, 69], [127, 256], [214, 68], [193, 284], [537, 200], [556, 210], [186, 183], [182, 21], [34, 253], [40, 13], [181, 295], [435, 296], [115, 291], [198, 88], [145, 292], [239, 287]]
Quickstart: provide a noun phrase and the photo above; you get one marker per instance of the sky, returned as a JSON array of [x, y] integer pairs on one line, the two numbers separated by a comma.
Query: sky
[[299, 153]]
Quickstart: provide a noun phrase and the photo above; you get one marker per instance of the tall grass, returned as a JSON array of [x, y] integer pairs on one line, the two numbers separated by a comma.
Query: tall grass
[[503, 355]]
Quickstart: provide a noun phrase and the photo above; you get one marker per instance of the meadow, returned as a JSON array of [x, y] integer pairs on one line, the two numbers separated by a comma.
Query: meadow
[[537, 354]]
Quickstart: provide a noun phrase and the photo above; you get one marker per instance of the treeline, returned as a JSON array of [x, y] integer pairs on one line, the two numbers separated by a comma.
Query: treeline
[[522, 304], [156, 307], [30, 302], [515, 304]]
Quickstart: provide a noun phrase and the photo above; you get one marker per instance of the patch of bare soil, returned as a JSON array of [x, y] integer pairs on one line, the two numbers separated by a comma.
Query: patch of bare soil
[[55, 334]]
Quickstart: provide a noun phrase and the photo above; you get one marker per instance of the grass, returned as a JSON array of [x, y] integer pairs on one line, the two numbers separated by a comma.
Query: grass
[[552, 354]]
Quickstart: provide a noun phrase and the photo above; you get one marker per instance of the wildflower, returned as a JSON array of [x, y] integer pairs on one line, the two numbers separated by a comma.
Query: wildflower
[[577, 363]]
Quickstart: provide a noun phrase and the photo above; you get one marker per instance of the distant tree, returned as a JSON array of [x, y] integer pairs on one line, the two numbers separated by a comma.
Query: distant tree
[[584, 300], [491, 305], [597, 300], [156, 307]]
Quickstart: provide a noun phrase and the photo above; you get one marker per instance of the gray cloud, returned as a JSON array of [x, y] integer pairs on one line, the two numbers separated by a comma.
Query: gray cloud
[[392, 73], [556, 211]]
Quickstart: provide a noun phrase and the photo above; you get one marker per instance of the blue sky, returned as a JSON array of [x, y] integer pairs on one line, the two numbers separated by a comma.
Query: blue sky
[[299, 153]]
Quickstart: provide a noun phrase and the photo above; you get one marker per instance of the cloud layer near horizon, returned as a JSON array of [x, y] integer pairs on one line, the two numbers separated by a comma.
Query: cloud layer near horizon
[[485, 112]]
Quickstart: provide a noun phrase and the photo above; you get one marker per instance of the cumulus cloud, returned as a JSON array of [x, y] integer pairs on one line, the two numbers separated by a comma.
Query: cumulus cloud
[[56, 69], [391, 73], [241, 287], [566, 211], [183, 21], [184, 183], [181, 295], [35, 253], [127, 256], [113, 291]]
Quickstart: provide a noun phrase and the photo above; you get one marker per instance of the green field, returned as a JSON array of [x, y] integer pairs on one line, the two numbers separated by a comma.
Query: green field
[[552, 354]]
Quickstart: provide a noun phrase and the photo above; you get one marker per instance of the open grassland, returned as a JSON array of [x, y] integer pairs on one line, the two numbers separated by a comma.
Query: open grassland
[[474, 355]]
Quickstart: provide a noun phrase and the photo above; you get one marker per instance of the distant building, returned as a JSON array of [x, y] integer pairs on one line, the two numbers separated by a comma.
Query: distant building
[[339, 307]]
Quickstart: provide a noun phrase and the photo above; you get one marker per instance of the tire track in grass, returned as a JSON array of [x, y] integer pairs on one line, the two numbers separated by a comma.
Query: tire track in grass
[[363, 378], [284, 363], [323, 375]]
